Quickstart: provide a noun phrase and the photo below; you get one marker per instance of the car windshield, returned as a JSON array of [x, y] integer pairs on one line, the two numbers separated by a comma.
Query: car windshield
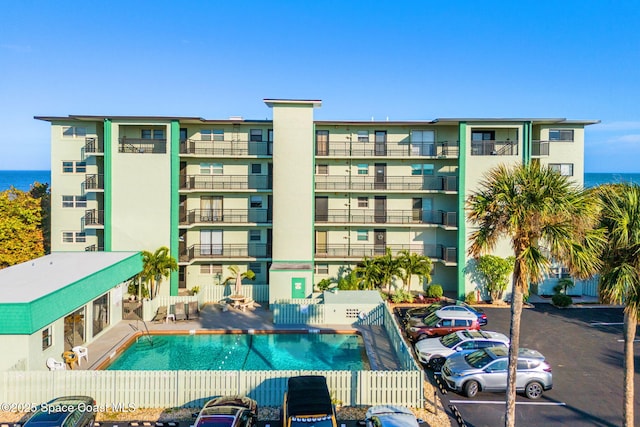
[[450, 340], [216, 421], [311, 423], [478, 359]]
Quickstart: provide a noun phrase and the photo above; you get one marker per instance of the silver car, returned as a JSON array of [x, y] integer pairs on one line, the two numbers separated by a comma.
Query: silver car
[[390, 416], [486, 370], [434, 351]]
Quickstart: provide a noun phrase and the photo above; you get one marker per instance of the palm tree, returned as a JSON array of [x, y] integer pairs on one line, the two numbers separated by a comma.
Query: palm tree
[[236, 276], [156, 266], [545, 218], [620, 275], [389, 267], [368, 272], [410, 264]]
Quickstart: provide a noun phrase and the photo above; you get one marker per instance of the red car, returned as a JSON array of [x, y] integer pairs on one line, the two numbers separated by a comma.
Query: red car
[[440, 323]]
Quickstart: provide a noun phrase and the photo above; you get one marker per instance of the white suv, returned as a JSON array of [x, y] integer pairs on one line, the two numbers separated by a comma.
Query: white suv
[[434, 351]]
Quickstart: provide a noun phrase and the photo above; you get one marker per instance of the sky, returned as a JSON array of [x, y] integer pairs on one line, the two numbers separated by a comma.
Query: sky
[[401, 60]]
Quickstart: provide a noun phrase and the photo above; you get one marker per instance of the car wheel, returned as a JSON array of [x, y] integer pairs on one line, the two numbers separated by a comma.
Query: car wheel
[[436, 363], [533, 390], [471, 388]]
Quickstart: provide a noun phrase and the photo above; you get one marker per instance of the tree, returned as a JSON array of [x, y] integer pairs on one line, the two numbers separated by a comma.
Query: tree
[[156, 266], [389, 268], [545, 218], [411, 264], [368, 272], [495, 273], [21, 225], [620, 274], [237, 275]]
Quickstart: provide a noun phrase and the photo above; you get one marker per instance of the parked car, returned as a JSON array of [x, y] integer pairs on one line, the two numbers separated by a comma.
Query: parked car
[[486, 370], [228, 411], [422, 312], [307, 402], [441, 323], [67, 411], [434, 351], [390, 416]]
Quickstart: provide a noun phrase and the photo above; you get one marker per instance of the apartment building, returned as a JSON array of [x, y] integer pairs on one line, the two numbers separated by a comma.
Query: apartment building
[[294, 199]]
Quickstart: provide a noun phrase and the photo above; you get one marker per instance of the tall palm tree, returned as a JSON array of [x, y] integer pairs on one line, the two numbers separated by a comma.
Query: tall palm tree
[[620, 275], [410, 264], [156, 266], [389, 268], [236, 275], [545, 218], [368, 272]]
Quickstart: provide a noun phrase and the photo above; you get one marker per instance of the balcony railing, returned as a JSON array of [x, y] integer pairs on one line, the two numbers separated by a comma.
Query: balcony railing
[[229, 216], [93, 145], [226, 148], [250, 250], [94, 248], [225, 182], [93, 217], [494, 148], [370, 149], [142, 146], [437, 252], [370, 216], [94, 182], [539, 148], [370, 182]]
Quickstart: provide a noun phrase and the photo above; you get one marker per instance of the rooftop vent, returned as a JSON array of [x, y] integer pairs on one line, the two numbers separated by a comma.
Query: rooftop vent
[[236, 118]]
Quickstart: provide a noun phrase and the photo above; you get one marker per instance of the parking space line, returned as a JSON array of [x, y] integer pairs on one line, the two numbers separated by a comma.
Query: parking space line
[[606, 323], [497, 402], [633, 340]]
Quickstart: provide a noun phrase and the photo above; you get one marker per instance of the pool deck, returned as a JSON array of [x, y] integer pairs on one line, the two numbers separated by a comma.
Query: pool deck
[[213, 319]]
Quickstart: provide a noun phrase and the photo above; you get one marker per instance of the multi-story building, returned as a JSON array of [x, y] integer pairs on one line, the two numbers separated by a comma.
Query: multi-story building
[[293, 199]]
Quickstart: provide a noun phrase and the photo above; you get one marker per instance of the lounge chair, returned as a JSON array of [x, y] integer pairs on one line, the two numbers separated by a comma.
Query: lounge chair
[[55, 365], [161, 314], [179, 311], [193, 311]]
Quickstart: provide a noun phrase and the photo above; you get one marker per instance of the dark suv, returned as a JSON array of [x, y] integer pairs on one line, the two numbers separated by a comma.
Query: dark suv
[[307, 403]]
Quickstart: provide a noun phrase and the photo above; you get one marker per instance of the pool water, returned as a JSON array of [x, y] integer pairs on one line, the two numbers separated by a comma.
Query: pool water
[[244, 352]]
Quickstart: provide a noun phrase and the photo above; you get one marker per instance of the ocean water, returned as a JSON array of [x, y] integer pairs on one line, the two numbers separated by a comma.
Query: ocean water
[[595, 179], [23, 180]]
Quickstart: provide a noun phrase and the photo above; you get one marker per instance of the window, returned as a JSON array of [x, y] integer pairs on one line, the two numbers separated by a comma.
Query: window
[[74, 201], [145, 134], [212, 134], [561, 135], [322, 169], [67, 167], [211, 269], [255, 135], [73, 237], [422, 169], [81, 237], [256, 267], [363, 169], [158, 134], [74, 132], [254, 235], [322, 268], [256, 168], [363, 235], [363, 202], [100, 314], [363, 136], [255, 202], [565, 169], [211, 168], [47, 338], [152, 133], [81, 167]]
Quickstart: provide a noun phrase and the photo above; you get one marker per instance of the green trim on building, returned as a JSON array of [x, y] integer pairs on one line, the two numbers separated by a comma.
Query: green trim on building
[[28, 318], [313, 205], [108, 192], [462, 218], [175, 200], [527, 144]]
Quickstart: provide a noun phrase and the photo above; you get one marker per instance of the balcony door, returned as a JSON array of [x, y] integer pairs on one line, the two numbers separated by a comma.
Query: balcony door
[[380, 182], [423, 142], [211, 208], [380, 209], [211, 242], [381, 143], [380, 242], [322, 209], [322, 143], [321, 242]]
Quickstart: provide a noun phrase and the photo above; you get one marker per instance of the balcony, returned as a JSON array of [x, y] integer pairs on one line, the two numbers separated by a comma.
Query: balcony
[[370, 149], [142, 146], [93, 182], [402, 183], [93, 145], [447, 255], [225, 182], [207, 148], [93, 218], [226, 216], [494, 148], [539, 148], [217, 251], [370, 216]]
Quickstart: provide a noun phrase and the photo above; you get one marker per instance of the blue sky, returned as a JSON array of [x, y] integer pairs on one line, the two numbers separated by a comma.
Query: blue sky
[[405, 60]]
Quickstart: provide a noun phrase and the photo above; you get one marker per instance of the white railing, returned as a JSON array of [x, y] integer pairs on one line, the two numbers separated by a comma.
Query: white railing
[[298, 311]]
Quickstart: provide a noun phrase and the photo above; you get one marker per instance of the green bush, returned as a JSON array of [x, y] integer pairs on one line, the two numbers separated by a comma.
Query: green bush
[[470, 298], [434, 291], [324, 284], [561, 300], [401, 296]]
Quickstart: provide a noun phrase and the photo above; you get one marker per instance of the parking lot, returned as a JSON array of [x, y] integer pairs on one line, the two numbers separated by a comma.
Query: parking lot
[[584, 347]]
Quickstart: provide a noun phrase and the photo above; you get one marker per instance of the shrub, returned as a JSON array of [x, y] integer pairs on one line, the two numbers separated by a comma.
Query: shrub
[[324, 284], [561, 300], [470, 298], [434, 291], [401, 296]]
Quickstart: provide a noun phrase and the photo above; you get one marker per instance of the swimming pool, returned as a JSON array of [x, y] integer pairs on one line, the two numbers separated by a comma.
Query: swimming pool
[[270, 351]]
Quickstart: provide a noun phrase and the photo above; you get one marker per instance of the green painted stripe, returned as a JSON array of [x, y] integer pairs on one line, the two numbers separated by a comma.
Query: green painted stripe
[[527, 143], [313, 199], [175, 200], [462, 220], [108, 191]]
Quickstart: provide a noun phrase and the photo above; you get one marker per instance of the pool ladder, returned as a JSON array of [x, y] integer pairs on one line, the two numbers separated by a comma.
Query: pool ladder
[[147, 334]]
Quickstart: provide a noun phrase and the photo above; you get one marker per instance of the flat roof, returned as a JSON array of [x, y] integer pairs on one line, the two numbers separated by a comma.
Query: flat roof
[[31, 280], [351, 297]]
